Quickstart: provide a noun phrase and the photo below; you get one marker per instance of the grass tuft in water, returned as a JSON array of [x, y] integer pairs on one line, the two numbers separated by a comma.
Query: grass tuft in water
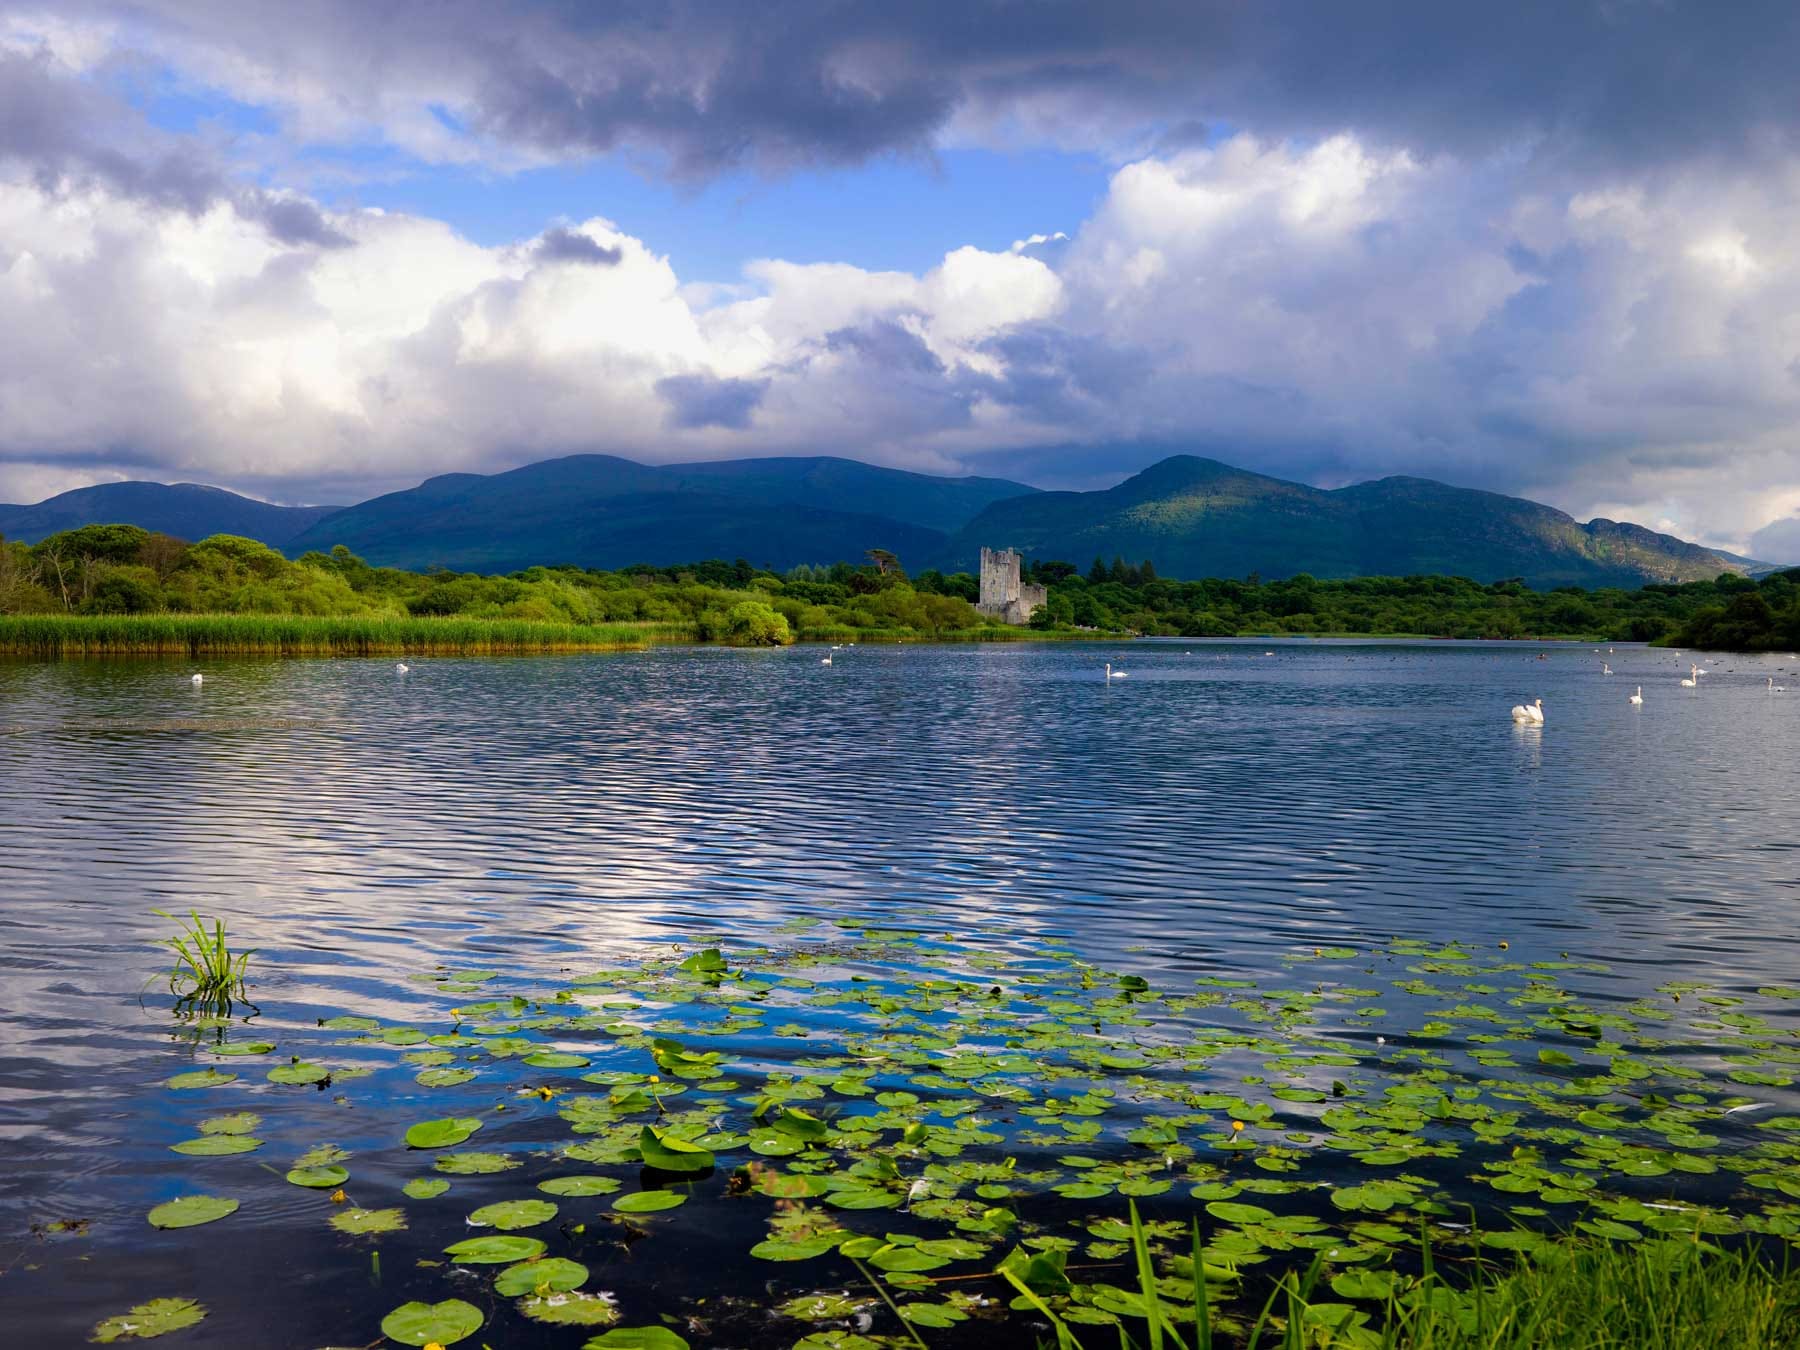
[[207, 972]]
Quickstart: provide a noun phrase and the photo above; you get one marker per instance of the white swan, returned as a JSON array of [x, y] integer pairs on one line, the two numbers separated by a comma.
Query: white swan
[[1112, 674], [1530, 714], [1605, 669], [824, 660], [1639, 696], [400, 668], [1693, 680], [198, 679]]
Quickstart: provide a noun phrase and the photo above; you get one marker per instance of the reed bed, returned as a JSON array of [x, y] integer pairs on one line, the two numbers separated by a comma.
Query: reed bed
[[62, 635]]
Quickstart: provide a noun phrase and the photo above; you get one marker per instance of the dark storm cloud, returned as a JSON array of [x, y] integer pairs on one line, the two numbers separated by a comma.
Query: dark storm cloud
[[571, 246], [696, 401], [888, 346], [67, 133], [713, 84]]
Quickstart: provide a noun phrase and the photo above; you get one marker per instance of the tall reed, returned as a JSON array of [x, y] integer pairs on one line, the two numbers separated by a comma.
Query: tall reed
[[308, 635]]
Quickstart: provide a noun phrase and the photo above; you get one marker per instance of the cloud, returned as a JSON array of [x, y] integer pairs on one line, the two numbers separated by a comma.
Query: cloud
[[67, 134], [697, 401], [1778, 542], [570, 246], [707, 85], [1333, 243]]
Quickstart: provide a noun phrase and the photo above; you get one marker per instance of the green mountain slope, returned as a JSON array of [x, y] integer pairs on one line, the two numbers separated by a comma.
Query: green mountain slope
[[1197, 517], [603, 511], [185, 510]]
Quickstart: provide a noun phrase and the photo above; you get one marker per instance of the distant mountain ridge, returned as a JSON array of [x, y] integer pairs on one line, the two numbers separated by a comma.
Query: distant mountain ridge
[[1191, 517], [185, 510], [604, 511], [1196, 517]]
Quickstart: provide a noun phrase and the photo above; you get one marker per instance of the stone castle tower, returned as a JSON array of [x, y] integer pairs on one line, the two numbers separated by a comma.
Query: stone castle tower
[[1002, 595]]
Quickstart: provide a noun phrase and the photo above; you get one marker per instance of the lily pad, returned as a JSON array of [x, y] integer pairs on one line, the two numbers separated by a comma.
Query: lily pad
[[216, 1145], [238, 1122], [508, 1215], [424, 1188], [441, 1133], [158, 1317], [199, 1078], [552, 1273], [443, 1323], [667, 1153], [474, 1164], [570, 1308], [318, 1178], [494, 1251], [648, 1202], [367, 1222], [190, 1211], [580, 1185], [636, 1338], [299, 1075]]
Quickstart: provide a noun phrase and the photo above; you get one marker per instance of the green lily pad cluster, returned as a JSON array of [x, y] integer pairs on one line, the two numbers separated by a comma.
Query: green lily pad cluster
[[956, 1124]]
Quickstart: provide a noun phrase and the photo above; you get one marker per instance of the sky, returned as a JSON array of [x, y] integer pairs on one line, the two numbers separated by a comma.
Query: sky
[[317, 251]]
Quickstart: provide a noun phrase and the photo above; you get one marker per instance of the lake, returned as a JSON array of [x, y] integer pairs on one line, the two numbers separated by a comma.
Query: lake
[[1228, 809]]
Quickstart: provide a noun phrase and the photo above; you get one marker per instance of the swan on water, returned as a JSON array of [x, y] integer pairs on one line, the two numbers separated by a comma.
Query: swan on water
[[400, 668], [199, 679], [1112, 674], [1693, 680], [1639, 696], [1605, 669], [1531, 714], [824, 660]]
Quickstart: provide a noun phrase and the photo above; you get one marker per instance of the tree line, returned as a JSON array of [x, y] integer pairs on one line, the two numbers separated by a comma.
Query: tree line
[[123, 569]]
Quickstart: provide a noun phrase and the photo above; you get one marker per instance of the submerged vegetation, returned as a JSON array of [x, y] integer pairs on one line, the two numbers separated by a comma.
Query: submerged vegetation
[[883, 1139], [118, 589]]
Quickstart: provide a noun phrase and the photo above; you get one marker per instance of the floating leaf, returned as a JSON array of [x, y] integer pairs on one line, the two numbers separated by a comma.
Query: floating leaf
[[242, 1048], [199, 1078], [441, 1133], [549, 1274], [318, 1178], [436, 1078], [362, 1222], [494, 1251], [238, 1122], [158, 1317], [648, 1202], [474, 1164], [570, 1308], [216, 1145], [432, 1323], [580, 1185], [636, 1338], [667, 1153], [508, 1215], [424, 1188], [299, 1074], [191, 1210]]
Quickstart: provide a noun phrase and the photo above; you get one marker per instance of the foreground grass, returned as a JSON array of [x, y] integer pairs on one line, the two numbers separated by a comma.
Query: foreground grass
[[1670, 1294], [307, 635]]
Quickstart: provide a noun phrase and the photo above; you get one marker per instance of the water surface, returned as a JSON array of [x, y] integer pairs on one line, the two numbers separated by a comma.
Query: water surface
[[1225, 805]]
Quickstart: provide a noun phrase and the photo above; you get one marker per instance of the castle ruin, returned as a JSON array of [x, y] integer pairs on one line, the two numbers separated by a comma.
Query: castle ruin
[[1002, 596]]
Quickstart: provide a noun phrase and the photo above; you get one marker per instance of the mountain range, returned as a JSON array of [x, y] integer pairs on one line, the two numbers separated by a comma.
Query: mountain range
[[1191, 517]]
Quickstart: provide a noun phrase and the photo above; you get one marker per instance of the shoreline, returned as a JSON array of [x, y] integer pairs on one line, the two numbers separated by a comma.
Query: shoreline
[[80, 636]]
